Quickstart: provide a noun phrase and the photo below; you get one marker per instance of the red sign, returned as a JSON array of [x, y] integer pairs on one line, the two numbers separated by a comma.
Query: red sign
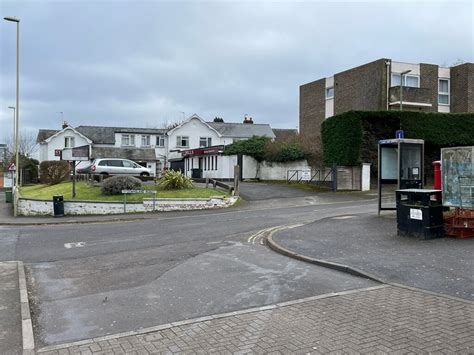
[[203, 151], [11, 167], [57, 152]]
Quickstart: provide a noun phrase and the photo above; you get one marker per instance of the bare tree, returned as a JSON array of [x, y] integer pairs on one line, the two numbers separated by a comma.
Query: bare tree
[[27, 144]]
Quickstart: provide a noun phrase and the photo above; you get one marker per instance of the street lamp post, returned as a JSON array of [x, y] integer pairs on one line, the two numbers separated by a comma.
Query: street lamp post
[[14, 125], [401, 87], [17, 111]]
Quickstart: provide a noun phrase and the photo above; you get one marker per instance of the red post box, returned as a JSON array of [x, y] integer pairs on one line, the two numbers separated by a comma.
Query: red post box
[[437, 174]]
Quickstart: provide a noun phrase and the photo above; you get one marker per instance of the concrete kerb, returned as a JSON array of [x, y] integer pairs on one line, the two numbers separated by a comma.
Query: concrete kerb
[[204, 319], [345, 268], [26, 324]]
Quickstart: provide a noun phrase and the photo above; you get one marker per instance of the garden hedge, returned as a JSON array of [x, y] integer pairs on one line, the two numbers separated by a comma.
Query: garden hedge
[[351, 138]]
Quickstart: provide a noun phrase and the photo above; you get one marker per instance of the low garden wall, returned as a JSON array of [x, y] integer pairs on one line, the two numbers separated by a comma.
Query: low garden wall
[[32, 207]]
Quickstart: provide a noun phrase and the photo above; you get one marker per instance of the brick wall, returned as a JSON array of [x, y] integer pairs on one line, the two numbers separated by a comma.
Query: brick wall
[[312, 107], [361, 88], [429, 81], [462, 88]]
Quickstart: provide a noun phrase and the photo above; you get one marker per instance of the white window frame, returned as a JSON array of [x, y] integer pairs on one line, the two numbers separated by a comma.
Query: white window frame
[[160, 140], [179, 141], [69, 142], [444, 93], [147, 139], [404, 84], [329, 89], [128, 140], [207, 142]]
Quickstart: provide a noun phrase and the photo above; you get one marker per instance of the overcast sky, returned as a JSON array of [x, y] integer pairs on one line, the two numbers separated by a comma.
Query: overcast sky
[[141, 63]]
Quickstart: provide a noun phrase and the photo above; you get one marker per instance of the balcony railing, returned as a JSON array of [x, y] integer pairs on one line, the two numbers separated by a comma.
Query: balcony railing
[[411, 96]]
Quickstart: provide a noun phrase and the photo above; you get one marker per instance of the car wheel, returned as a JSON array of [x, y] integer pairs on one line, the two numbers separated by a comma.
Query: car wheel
[[144, 174]]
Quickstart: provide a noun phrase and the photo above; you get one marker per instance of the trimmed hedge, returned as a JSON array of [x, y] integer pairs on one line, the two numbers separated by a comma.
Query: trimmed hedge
[[352, 137]]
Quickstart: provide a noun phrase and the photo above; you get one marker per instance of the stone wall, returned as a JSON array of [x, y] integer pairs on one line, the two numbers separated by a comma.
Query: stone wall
[[30, 207]]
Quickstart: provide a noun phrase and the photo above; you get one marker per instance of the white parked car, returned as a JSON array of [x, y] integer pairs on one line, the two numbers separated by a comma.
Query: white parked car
[[115, 166]]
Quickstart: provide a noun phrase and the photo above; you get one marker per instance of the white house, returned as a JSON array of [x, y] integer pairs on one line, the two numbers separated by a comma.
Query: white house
[[178, 148], [196, 146]]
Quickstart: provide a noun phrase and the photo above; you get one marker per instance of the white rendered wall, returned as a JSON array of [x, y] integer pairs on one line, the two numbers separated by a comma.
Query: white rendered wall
[[194, 129], [57, 142], [366, 176], [329, 107]]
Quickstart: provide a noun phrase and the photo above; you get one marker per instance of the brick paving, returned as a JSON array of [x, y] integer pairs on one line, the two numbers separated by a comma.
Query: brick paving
[[378, 320]]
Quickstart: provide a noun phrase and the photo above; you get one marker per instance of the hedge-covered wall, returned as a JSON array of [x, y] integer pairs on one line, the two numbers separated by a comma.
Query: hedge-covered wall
[[352, 137]]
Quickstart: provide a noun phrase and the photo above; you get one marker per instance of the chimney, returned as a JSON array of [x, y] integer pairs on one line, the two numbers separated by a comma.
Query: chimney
[[65, 124], [248, 119]]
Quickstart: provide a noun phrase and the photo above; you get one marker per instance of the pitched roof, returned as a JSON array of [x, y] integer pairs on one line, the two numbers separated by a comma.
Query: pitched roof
[[242, 130], [283, 134], [136, 154], [44, 134], [99, 134]]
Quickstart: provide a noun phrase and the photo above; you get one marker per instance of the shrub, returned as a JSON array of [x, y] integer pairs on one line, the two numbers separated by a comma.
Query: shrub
[[282, 152], [175, 180], [254, 147], [115, 184], [52, 172]]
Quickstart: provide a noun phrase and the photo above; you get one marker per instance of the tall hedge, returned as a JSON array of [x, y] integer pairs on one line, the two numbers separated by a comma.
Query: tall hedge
[[351, 137]]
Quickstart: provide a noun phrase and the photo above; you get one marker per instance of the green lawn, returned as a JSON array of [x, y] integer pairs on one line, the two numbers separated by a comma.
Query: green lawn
[[85, 192]]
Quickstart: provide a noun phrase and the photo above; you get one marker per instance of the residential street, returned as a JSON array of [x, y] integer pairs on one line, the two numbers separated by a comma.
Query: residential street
[[92, 280]]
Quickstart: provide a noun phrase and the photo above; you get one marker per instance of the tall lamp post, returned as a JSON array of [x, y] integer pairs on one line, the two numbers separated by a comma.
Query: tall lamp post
[[17, 112], [14, 125]]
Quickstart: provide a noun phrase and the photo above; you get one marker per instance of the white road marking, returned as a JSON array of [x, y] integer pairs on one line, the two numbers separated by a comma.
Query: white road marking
[[343, 217], [74, 245]]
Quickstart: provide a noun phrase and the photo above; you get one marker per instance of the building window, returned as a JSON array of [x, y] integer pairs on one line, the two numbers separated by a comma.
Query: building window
[[160, 140], [443, 91], [128, 139], [408, 80], [216, 163], [182, 141], [145, 141], [330, 92], [68, 142], [205, 142]]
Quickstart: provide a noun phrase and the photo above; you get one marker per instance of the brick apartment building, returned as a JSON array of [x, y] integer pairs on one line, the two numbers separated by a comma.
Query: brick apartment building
[[376, 86]]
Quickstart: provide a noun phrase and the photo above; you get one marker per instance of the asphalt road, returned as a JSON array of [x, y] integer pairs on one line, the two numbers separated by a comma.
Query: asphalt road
[[95, 279]]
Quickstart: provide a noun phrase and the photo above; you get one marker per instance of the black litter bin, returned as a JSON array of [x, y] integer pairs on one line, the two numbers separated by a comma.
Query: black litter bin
[[58, 206], [420, 213], [196, 173]]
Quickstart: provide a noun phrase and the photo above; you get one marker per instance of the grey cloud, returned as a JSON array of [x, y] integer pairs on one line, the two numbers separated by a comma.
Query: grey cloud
[[143, 62]]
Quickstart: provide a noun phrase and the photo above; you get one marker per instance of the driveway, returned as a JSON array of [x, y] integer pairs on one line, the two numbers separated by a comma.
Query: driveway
[[257, 191]]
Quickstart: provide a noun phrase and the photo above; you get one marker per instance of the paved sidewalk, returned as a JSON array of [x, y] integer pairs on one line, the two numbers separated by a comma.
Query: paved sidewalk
[[10, 316], [383, 319], [370, 243]]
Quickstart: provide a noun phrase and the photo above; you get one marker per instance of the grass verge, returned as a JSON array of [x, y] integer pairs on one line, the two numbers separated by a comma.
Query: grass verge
[[85, 192]]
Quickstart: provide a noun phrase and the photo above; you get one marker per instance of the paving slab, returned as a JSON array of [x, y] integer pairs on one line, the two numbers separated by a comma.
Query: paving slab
[[371, 244], [10, 312], [380, 320]]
